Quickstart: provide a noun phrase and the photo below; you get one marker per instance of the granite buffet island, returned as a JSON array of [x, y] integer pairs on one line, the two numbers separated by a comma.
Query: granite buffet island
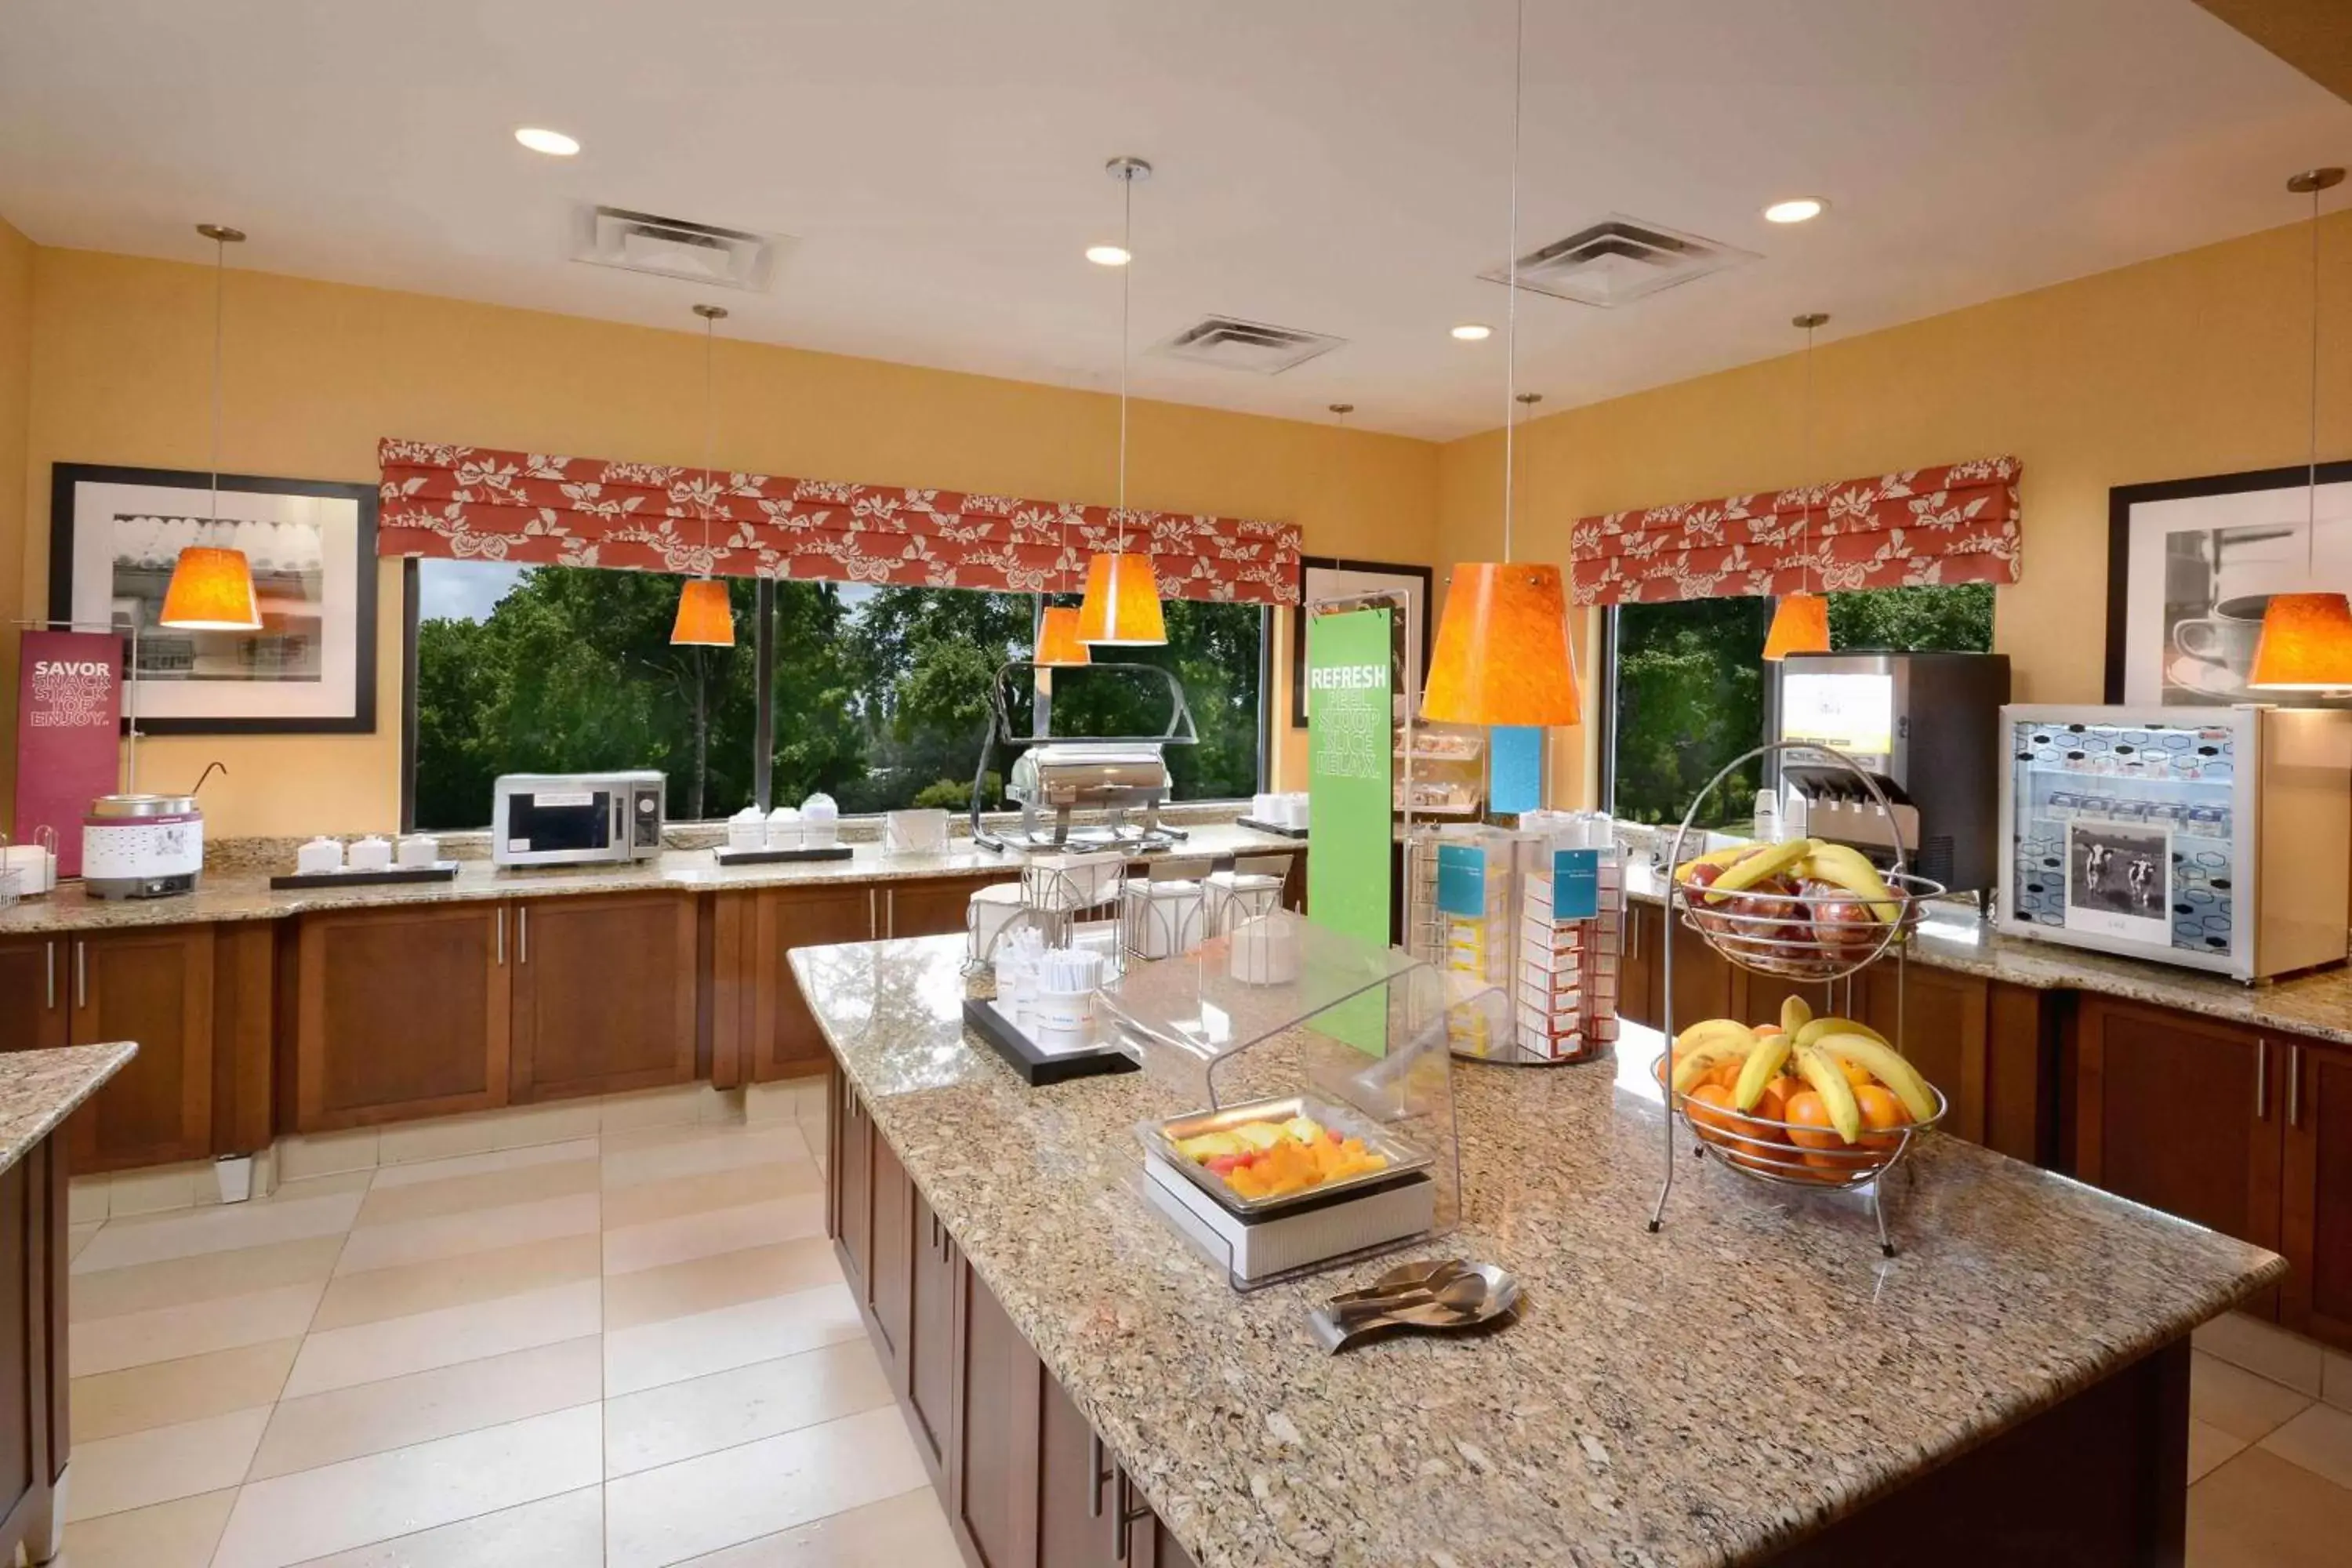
[[1753, 1383]]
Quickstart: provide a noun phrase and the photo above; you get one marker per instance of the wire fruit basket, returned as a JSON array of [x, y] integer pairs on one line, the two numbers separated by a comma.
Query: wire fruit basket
[[1793, 1153]]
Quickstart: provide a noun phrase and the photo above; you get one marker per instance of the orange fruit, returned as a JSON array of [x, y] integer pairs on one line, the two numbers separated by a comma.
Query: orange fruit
[[1825, 1150], [1855, 1073], [1727, 1074], [1774, 1106], [1881, 1113], [1710, 1111]]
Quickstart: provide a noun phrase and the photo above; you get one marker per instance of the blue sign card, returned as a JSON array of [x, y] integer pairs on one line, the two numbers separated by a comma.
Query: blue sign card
[[1575, 884], [1462, 879], [1514, 768]]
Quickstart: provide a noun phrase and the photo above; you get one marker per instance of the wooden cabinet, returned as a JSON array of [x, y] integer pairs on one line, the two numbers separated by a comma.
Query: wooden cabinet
[[34, 1437], [930, 1335], [1938, 1017], [33, 992], [849, 1185], [1638, 993], [399, 1013], [890, 1264], [604, 991], [152, 985], [2316, 1202], [1706, 984], [933, 908], [783, 1038], [993, 1469]]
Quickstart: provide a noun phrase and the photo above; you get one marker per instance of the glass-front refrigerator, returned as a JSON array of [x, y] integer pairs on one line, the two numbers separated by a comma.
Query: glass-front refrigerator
[[2214, 838]]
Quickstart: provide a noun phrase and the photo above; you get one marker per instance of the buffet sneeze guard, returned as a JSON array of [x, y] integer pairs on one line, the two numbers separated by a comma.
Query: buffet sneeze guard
[[1110, 775]]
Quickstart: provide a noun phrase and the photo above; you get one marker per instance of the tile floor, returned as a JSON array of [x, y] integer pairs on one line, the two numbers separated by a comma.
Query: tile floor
[[632, 1348], [635, 1348]]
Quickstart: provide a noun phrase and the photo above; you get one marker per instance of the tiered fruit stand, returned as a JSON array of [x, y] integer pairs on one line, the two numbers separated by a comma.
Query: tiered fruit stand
[[1777, 935]]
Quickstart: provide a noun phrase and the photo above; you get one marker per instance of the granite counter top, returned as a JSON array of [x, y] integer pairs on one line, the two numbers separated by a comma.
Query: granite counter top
[[244, 895], [1702, 1396], [38, 1090]]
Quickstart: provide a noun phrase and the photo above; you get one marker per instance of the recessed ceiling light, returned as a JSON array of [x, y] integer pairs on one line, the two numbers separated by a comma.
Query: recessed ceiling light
[[1472, 332], [1797, 209], [1107, 256], [554, 143]]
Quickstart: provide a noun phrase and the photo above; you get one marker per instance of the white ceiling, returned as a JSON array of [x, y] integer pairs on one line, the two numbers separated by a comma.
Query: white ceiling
[[1338, 165]]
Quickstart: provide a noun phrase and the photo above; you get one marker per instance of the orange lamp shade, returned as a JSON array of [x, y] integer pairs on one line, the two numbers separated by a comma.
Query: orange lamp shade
[[1502, 654], [2307, 645], [1121, 609], [1057, 637], [704, 617], [211, 590], [1802, 624]]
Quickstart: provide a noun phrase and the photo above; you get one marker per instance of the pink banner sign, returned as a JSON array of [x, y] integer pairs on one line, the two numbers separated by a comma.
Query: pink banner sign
[[69, 720]]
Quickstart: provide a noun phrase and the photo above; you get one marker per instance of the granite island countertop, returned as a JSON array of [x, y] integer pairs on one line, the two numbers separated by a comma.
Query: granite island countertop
[[38, 1090], [1706, 1394], [244, 895]]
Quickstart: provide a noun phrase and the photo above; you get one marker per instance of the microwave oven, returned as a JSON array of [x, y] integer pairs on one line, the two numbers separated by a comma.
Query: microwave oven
[[575, 819]]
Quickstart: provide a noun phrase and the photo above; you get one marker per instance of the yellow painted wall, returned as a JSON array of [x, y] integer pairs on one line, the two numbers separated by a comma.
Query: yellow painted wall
[[2194, 364], [16, 395], [315, 373]]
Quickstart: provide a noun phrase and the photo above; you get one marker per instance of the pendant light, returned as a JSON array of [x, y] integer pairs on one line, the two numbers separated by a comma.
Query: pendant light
[[1058, 646], [212, 586], [2306, 641], [1121, 607], [1802, 622], [705, 618], [1503, 654]]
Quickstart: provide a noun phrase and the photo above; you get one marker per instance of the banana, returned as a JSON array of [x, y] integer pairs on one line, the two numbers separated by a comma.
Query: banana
[[1753, 869], [1887, 1066], [1697, 1053], [1723, 857], [1837, 1094], [1770, 1053], [1844, 867], [1698, 1033], [1820, 1028], [1795, 1014]]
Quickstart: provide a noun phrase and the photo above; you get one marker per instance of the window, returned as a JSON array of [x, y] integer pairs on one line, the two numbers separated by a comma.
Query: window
[[1687, 684], [880, 694]]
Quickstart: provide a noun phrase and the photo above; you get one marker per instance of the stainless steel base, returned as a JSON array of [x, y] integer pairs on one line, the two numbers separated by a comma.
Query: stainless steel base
[[138, 887]]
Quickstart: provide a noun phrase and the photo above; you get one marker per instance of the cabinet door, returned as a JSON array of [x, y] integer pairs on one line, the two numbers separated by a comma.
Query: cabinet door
[[1936, 1018], [930, 908], [1637, 983], [604, 991], [850, 1173], [2316, 1298], [992, 1504], [890, 1267], [33, 992], [1703, 979], [399, 1013], [155, 986], [1075, 1487], [930, 1335], [2182, 1114], [785, 1039]]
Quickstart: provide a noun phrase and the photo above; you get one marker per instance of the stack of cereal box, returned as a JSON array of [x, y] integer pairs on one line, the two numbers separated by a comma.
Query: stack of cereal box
[[1572, 912]]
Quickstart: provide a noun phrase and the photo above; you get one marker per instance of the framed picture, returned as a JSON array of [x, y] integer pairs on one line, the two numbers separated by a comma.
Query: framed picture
[[1321, 577], [2119, 880], [114, 534], [2191, 565]]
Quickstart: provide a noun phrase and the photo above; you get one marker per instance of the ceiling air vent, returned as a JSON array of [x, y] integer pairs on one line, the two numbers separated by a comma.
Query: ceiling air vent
[[1253, 346], [674, 248], [1619, 260]]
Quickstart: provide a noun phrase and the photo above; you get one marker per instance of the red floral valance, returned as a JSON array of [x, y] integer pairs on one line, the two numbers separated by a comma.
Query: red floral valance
[[1952, 524], [470, 503]]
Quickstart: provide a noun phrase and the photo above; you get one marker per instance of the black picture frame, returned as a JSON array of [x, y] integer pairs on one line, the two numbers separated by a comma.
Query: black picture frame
[[1425, 576], [362, 719], [2123, 499]]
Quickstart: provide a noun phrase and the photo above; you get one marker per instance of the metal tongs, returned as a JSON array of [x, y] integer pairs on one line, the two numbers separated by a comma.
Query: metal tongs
[[1446, 1296]]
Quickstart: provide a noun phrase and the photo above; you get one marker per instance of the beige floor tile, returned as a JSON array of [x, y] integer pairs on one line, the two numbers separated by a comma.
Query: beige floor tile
[[2320, 1440], [189, 1389], [442, 1138], [166, 1462], [2208, 1446], [151, 1192], [302, 1155], [563, 1121], [369, 1352], [410, 1288], [632, 1247], [678, 1348], [291, 1519], [80, 1236], [706, 1284], [705, 1149], [740, 1494], [2263, 1349], [138, 1338], [2335, 1380], [680, 1420], [482, 1164], [205, 1277], [323, 1207], [2260, 1511], [909, 1530], [2237, 1400], [177, 1534], [86, 1200], [457, 1235], [566, 1530], [680, 1195], [475, 1194], [370, 1418]]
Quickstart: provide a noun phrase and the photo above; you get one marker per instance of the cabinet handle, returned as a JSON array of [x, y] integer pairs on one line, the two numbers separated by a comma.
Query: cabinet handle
[[1097, 1462], [1122, 1534], [502, 936], [2294, 1086], [81, 973], [49, 972], [522, 933], [873, 921], [2262, 1079], [890, 911]]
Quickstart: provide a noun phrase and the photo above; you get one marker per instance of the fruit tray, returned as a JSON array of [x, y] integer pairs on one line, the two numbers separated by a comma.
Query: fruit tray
[[1795, 1154], [1159, 1139], [1802, 910]]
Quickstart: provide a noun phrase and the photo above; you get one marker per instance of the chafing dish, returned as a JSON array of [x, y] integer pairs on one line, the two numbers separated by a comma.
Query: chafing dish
[[1159, 1139], [1109, 774]]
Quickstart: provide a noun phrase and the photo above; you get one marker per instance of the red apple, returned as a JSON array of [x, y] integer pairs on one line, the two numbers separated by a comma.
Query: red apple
[[1845, 928]]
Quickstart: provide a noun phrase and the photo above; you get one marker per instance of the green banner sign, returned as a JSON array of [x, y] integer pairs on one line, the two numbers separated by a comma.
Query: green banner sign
[[1347, 789]]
